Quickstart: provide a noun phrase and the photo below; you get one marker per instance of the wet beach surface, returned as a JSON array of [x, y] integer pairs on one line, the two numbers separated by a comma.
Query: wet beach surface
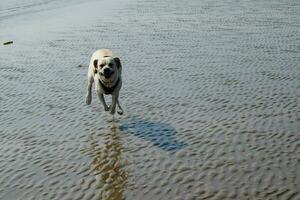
[[210, 94]]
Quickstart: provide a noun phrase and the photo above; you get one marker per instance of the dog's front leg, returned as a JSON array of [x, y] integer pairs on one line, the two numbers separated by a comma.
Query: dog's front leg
[[88, 98], [101, 98], [120, 110]]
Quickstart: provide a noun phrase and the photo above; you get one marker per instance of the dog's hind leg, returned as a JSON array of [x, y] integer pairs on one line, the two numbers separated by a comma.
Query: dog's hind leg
[[88, 98], [120, 110], [101, 98], [114, 103]]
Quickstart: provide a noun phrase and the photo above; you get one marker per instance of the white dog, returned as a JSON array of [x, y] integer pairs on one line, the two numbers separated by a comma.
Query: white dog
[[105, 70]]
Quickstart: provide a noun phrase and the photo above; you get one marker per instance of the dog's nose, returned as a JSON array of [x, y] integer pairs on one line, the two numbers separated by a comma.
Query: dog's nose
[[106, 72]]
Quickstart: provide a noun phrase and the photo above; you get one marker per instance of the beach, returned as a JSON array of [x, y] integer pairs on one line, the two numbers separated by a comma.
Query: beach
[[210, 96]]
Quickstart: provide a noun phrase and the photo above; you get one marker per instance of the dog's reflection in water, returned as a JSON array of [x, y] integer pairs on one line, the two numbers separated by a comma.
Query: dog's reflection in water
[[107, 165]]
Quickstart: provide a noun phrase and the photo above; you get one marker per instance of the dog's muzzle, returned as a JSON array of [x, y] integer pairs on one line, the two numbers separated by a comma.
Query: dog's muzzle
[[107, 73]]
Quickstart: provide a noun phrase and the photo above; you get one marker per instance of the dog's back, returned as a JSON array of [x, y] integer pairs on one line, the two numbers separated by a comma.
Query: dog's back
[[103, 53]]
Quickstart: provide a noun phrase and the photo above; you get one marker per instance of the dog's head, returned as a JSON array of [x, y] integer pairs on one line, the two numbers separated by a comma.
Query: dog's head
[[108, 68]]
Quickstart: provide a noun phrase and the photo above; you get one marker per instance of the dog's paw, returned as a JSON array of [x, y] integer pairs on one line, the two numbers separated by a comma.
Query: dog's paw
[[88, 99], [120, 112], [112, 112], [107, 108]]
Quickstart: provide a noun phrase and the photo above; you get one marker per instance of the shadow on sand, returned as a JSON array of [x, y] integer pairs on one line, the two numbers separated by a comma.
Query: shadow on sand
[[160, 134]]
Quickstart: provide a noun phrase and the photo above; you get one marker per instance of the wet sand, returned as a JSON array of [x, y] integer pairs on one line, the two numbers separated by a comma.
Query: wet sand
[[210, 94]]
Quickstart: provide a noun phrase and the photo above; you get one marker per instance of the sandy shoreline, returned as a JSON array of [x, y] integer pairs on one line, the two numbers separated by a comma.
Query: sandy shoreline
[[211, 100]]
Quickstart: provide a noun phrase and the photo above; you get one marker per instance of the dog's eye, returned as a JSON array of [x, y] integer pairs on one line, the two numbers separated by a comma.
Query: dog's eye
[[110, 64], [102, 65]]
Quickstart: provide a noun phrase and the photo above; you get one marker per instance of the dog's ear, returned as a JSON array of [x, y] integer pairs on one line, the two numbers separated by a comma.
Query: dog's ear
[[118, 62], [95, 65]]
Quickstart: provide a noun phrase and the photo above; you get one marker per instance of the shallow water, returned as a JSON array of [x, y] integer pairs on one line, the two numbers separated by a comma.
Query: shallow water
[[211, 99]]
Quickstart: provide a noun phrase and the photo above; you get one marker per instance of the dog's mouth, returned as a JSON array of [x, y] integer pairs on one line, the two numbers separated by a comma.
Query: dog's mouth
[[107, 74], [106, 81]]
